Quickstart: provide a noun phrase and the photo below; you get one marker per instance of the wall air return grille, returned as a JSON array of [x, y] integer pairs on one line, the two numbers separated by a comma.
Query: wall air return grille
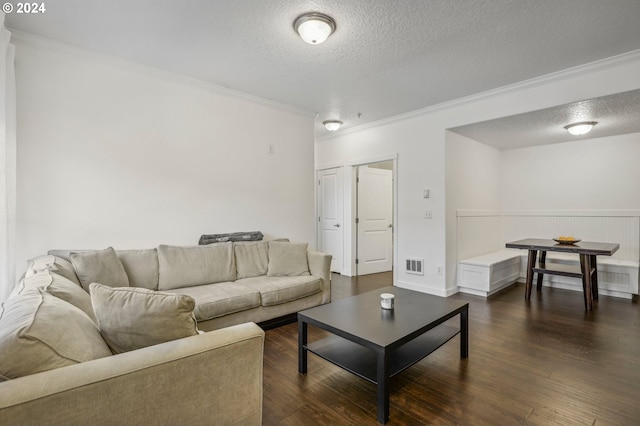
[[415, 266]]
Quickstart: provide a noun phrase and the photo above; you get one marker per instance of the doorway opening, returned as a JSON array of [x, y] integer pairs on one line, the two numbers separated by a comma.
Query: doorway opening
[[343, 191]]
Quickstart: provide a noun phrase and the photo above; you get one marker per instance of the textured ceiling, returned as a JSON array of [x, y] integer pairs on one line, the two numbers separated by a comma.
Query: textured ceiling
[[385, 58], [615, 114]]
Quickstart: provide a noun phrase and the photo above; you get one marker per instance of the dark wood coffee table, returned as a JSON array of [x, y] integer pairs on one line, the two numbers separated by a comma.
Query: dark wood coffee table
[[377, 344]]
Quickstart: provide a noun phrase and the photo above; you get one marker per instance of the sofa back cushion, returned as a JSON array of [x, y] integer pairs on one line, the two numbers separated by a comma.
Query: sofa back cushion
[[99, 266], [40, 332], [131, 318], [57, 286], [141, 267], [59, 265], [34, 280], [252, 259], [195, 265], [287, 259]]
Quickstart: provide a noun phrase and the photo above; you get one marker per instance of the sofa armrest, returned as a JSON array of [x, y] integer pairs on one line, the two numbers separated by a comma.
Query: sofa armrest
[[215, 377], [320, 266]]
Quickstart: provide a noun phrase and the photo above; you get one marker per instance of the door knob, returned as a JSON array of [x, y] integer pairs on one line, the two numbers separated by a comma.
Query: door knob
[[390, 225], [337, 225]]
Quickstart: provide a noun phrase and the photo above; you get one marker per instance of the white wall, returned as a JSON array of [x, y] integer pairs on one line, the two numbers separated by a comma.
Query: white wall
[[600, 173], [419, 139], [472, 182], [116, 154], [420, 166]]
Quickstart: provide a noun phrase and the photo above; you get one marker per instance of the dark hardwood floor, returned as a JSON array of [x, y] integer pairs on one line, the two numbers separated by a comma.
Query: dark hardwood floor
[[543, 362]]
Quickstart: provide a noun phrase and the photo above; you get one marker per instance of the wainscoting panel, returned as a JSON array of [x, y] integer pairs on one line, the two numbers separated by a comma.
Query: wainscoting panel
[[609, 229], [484, 232], [478, 235]]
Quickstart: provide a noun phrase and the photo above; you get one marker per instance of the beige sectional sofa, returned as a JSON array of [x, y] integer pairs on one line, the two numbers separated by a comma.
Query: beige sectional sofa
[[231, 283], [111, 337]]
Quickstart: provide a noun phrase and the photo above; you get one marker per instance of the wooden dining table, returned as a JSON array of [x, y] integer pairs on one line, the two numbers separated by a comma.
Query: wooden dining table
[[588, 271]]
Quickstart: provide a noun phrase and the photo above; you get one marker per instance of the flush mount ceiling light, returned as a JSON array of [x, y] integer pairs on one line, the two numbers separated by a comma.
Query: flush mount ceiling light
[[332, 125], [581, 128], [314, 28]]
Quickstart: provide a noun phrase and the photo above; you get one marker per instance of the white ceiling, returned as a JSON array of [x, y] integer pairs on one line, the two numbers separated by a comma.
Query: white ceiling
[[387, 57], [615, 114]]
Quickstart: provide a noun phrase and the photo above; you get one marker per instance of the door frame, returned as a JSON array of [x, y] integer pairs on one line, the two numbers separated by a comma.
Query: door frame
[[349, 209]]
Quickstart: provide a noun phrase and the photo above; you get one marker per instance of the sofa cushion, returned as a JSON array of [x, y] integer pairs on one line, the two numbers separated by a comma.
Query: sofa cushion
[[99, 266], [36, 280], [252, 259], [195, 265], [131, 318], [141, 267], [277, 290], [40, 332], [72, 293], [287, 259], [216, 300], [60, 287], [52, 263]]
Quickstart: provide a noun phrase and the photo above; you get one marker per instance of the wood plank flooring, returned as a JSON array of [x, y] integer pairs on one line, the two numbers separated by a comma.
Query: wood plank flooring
[[543, 362]]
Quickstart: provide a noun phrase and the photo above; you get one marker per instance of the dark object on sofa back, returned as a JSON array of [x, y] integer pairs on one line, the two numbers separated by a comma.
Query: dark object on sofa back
[[234, 236]]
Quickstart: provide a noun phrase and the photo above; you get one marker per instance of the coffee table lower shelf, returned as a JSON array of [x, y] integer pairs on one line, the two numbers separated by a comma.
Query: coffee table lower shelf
[[362, 362]]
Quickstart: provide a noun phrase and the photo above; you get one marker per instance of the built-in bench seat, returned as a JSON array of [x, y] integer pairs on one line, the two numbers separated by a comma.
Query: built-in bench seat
[[486, 232], [491, 272], [616, 277], [486, 274]]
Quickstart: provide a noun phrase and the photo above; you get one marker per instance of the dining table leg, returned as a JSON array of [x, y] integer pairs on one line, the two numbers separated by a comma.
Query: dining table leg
[[585, 266], [594, 278], [531, 263], [543, 258]]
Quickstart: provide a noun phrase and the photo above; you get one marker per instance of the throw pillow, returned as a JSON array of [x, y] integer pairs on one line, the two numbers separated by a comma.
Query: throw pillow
[[252, 259], [195, 265], [71, 292], [60, 287], [100, 266], [40, 332], [131, 318], [287, 259]]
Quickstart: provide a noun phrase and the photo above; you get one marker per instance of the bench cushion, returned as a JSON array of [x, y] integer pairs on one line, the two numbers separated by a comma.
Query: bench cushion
[[602, 260], [494, 258]]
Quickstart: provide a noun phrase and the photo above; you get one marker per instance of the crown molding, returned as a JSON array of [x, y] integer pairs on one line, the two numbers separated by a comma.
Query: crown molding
[[600, 65], [22, 38]]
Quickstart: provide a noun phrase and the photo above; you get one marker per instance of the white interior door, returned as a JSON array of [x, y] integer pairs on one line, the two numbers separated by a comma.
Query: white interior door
[[375, 220], [330, 220]]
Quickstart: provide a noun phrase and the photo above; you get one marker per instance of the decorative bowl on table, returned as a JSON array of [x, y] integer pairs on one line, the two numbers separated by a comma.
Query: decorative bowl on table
[[566, 240]]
